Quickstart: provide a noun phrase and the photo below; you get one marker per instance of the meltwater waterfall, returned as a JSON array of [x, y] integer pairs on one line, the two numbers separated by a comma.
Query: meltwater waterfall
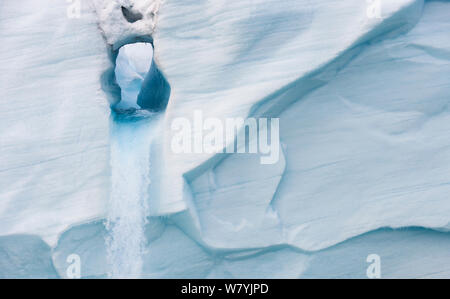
[[127, 208], [131, 134]]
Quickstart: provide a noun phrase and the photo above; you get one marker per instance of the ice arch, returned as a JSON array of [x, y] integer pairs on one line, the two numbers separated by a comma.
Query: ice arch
[[142, 84]]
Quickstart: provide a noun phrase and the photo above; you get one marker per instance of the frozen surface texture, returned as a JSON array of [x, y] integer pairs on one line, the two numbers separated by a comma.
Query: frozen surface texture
[[25, 256], [127, 21], [363, 105], [132, 65], [256, 59], [54, 153], [363, 108]]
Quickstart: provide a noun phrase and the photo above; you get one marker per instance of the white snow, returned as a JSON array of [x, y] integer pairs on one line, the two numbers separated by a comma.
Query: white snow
[[362, 102], [54, 127], [117, 30], [237, 58]]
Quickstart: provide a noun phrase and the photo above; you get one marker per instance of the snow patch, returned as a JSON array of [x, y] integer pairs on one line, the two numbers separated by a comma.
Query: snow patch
[[127, 21]]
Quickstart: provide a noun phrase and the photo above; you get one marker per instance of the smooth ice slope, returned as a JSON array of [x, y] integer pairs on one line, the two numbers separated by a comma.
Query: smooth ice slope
[[406, 253], [362, 152], [282, 65], [237, 58], [25, 256], [369, 146], [54, 152]]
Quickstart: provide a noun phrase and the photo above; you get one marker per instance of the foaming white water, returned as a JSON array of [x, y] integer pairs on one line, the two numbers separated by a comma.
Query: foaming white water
[[131, 137], [127, 209]]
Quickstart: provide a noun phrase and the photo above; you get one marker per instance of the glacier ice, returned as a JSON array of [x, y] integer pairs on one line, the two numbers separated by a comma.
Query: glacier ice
[[132, 65], [87, 241], [363, 108], [141, 83], [54, 133], [25, 256]]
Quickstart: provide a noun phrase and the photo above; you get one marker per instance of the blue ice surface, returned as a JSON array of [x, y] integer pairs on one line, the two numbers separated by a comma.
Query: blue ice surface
[[133, 63], [142, 85]]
